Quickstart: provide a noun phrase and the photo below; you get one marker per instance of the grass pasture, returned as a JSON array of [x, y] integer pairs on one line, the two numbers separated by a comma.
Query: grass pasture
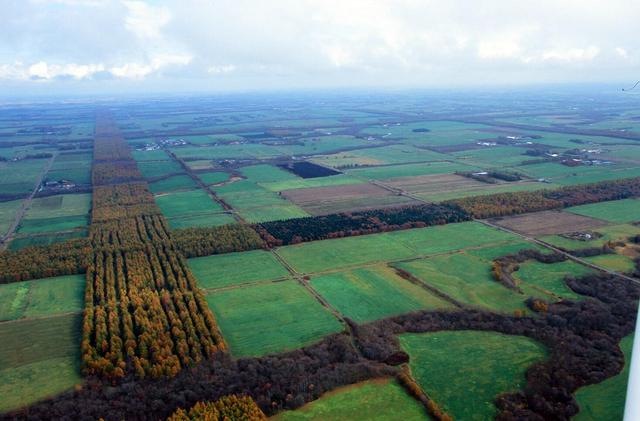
[[152, 169], [63, 212], [308, 183], [618, 211], [20, 177], [264, 173], [268, 318], [45, 239], [410, 170], [609, 233], [173, 183], [179, 204], [376, 400], [256, 204], [42, 297], [59, 205], [229, 269], [549, 278], [339, 253], [201, 220], [467, 279], [371, 293], [617, 262], [63, 223], [464, 371], [216, 177], [8, 212], [38, 358]]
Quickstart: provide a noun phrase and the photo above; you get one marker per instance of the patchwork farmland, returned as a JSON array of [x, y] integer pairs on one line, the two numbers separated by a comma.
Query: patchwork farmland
[[348, 258]]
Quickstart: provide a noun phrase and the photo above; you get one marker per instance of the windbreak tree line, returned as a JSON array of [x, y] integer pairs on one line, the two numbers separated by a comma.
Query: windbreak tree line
[[504, 204]]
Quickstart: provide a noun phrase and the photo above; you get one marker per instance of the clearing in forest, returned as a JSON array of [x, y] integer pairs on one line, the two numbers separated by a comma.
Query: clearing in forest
[[482, 364], [381, 399]]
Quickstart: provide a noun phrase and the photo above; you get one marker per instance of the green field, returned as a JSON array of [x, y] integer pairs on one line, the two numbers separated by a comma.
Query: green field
[[257, 204], [548, 278], [188, 203], [151, 169], [323, 255], [616, 262], [467, 279], [75, 167], [464, 371], [42, 240], [409, 170], [42, 225], [213, 177], [59, 205], [372, 293], [492, 157], [201, 220], [605, 400], [489, 189], [174, 183], [266, 174], [609, 233], [268, 318], [20, 177], [155, 155], [61, 212], [378, 400], [618, 211], [223, 270], [392, 154], [38, 358], [466, 276], [8, 212], [42, 297], [306, 183]]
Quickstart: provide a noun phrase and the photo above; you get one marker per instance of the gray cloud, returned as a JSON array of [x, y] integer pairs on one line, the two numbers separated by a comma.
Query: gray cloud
[[249, 44]]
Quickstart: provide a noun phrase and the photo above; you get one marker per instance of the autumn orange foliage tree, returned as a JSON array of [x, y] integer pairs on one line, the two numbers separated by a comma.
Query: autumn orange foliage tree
[[143, 310], [227, 408]]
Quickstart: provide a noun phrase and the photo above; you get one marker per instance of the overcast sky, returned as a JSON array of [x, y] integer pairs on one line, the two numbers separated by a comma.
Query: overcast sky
[[74, 46]]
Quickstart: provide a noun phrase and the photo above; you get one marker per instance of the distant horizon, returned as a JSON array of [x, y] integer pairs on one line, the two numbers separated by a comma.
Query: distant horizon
[[559, 88]]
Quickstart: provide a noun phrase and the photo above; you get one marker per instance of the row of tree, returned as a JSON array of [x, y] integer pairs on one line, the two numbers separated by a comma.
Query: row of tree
[[205, 241], [297, 230], [33, 262], [144, 313], [511, 203]]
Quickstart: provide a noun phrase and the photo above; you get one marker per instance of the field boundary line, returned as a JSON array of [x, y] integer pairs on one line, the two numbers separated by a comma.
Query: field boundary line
[[245, 285], [51, 316], [300, 278], [4, 241]]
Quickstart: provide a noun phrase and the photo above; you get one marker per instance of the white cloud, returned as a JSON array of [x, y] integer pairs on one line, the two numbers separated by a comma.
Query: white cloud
[[571, 54], [140, 70], [145, 20], [225, 68], [42, 70], [319, 42], [622, 52]]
